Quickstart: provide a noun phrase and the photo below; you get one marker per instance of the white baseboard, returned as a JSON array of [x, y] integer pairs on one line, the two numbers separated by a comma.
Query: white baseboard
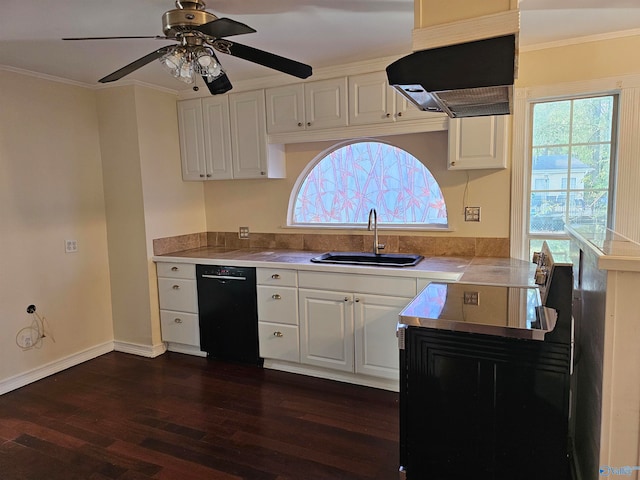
[[312, 371], [187, 349], [150, 351], [17, 381]]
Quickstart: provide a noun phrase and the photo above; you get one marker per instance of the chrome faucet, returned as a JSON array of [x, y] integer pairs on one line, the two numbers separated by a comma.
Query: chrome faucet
[[373, 221]]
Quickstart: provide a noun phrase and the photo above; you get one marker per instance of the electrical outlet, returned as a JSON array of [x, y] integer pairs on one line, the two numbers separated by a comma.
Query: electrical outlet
[[471, 298], [26, 341], [70, 246], [243, 232], [471, 214]]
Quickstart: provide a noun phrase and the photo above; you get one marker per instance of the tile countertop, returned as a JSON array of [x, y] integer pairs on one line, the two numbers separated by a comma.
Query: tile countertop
[[479, 270]]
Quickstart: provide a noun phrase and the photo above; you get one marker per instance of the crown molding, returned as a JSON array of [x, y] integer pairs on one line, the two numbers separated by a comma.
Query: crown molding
[[44, 76], [578, 40]]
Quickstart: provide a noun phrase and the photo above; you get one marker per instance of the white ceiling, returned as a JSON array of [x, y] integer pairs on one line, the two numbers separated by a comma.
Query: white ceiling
[[317, 32]]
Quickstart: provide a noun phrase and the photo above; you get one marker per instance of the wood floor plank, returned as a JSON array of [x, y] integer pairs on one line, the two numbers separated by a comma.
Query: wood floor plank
[[181, 417]]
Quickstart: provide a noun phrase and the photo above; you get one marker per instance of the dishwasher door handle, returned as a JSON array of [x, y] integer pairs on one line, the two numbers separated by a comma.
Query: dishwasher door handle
[[223, 277]]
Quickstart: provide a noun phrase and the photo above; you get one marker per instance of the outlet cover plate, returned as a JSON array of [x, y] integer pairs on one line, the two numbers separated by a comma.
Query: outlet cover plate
[[471, 214], [243, 233]]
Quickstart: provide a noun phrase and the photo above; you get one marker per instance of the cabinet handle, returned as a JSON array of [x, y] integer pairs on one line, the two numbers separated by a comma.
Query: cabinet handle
[[300, 124], [346, 299], [453, 164], [308, 124], [208, 174], [276, 296], [275, 276], [357, 300], [176, 287], [388, 115], [177, 320], [278, 334], [399, 114], [174, 269], [202, 175]]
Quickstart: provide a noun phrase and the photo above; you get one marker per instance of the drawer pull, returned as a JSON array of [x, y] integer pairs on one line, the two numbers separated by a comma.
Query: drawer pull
[[275, 276], [174, 269], [346, 299], [276, 296], [357, 300], [176, 287], [278, 334], [177, 320]]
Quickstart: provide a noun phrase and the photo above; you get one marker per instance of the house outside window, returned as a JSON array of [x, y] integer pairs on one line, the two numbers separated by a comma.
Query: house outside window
[[342, 185], [571, 163]]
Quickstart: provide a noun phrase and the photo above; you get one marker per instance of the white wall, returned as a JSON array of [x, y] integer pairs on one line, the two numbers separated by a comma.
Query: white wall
[[50, 190]]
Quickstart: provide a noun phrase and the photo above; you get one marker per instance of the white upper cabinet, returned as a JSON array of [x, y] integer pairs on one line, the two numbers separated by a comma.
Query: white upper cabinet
[[192, 140], [217, 137], [225, 137], [307, 106], [478, 142], [372, 100]]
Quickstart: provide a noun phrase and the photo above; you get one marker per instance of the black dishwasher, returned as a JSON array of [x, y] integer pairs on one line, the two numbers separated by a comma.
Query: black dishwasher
[[228, 315]]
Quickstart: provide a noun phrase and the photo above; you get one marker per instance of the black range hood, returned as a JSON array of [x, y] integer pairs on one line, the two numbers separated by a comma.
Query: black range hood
[[470, 79]]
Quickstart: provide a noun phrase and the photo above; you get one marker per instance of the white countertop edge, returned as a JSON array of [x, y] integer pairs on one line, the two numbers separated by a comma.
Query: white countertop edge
[[606, 262], [415, 272]]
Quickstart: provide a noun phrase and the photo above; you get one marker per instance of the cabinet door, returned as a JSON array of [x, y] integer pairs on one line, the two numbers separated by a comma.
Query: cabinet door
[[478, 142], [376, 345], [285, 108], [248, 134], [326, 103], [370, 99], [217, 137], [191, 132], [326, 329]]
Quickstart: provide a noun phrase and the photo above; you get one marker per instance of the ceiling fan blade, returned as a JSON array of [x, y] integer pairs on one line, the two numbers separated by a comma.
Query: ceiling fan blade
[[224, 27], [141, 62], [116, 38], [219, 85], [266, 59]]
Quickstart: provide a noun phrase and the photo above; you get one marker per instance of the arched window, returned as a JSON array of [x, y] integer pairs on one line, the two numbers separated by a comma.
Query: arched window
[[345, 183]]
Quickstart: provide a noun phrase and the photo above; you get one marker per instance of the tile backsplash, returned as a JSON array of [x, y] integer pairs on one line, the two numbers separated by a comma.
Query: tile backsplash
[[427, 246]]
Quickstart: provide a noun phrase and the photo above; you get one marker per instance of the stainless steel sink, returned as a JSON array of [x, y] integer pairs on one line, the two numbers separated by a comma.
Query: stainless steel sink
[[368, 258]]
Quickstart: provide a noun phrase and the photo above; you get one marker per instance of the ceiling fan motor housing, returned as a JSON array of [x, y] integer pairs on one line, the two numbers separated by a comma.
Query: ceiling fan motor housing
[[185, 18]]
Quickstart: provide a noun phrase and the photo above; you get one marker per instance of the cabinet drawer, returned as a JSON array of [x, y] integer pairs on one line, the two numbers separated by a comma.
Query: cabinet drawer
[[277, 276], [380, 285], [176, 270], [180, 327], [178, 295], [278, 304], [278, 341]]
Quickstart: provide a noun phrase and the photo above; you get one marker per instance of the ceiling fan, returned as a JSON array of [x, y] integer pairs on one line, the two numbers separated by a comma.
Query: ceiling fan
[[198, 34]]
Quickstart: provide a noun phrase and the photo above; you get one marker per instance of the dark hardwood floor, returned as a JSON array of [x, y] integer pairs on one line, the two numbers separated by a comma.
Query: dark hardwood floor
[[125, 417]]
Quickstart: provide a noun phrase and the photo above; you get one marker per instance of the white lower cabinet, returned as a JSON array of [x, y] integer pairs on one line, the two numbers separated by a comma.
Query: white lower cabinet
[[178, 298], [278, 314], [352, 331]]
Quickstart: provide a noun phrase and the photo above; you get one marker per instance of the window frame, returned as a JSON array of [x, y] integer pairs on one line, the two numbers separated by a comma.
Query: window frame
[[346, 226], [624, 194]]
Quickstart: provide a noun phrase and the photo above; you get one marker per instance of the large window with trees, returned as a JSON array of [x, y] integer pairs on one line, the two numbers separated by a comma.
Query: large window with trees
[[343, 184], [572, 143]]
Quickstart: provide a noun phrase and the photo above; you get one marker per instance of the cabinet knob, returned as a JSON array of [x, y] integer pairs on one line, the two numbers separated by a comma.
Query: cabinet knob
[[346, 299], [300, 124], [453, 164], [308, 124], [202, 175], [176, 287], [357, 300], [275, 276], [399, 114], [276, 296], [177, 320], [208, 175], [278, 334], [174, 269], [388, 115]]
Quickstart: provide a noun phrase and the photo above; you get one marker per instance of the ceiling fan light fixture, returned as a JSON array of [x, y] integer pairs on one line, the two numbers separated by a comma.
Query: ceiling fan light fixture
[[187, 62]]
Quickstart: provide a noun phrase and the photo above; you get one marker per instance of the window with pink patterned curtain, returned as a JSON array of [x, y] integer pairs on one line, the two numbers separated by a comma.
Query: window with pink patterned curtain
[[352, 179]]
